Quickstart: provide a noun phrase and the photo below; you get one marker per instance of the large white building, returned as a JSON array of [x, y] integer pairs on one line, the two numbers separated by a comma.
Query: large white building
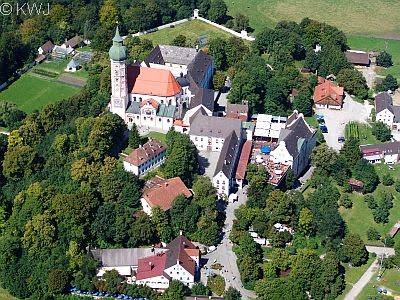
[[386, 112], [168, 83], [153, 267]]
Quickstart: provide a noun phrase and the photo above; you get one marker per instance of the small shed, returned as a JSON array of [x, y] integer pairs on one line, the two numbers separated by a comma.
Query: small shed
[[356, 185], [73, 66]]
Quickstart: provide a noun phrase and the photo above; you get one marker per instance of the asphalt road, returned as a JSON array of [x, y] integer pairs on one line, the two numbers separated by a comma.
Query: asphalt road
[[366, 277], [225, 256]]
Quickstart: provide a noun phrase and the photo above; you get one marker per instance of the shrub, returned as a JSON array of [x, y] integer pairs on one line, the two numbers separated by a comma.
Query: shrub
[[397, 186], [345, 201], [371, 202], [373, 234], [388, 240], [384, 59], [216, 284], [387, 180]]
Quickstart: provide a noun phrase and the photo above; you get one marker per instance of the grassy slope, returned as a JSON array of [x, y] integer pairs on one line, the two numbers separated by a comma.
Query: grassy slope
[[4, 295], [361, 17], [390, 279], [191, 29], [359, 218], [353, 274], [30, 92]]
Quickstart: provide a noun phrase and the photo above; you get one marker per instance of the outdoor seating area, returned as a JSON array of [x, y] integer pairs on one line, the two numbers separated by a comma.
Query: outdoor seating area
[[261, 156]]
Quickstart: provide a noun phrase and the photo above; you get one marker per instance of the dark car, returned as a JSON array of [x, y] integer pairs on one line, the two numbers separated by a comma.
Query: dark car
[[323, 128]]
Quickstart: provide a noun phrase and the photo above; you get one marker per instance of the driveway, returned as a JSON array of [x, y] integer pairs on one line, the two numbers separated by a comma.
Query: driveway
[[367, 276], [336, 120], [225, 256], [369, 74]]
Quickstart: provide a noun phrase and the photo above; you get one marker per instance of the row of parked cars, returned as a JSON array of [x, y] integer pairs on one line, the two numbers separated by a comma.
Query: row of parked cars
[[99, 295]]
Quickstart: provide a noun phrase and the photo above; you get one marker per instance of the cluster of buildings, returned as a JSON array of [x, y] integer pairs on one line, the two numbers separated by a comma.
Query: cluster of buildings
[[153, 267], [171, 88], [48, 49]]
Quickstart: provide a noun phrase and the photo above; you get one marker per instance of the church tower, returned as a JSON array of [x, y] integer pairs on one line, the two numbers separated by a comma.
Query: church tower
[[119, 83]]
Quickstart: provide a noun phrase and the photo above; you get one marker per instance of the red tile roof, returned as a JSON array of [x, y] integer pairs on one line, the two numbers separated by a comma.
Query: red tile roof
[[178, 252], [149, 101], [150, 81], [151, 266], [237, 111], [327, 93], [162, 192], [142, 154], [243, 160]]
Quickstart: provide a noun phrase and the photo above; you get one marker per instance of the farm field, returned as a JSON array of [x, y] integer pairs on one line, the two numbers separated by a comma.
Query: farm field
[[31, 92], [191, 29], [358, 17], [359, 218]]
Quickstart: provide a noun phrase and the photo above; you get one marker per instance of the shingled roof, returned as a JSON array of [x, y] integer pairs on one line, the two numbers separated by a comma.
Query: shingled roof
[[214, 126], [357, 57], [162, 192], [151, 81], [295, 134], [203, 97], [47, 47], [328, 93], [146, 152], [199, 66], [226, 161]]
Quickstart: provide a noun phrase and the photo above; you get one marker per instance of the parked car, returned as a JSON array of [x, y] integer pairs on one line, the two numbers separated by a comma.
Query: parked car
[[323, 128], [341, 139]]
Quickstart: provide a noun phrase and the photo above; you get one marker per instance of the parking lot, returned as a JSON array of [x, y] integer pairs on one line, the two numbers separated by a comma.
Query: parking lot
[[336, 120]]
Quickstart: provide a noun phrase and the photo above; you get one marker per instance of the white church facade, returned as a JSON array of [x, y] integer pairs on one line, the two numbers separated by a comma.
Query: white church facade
[[160, 90]]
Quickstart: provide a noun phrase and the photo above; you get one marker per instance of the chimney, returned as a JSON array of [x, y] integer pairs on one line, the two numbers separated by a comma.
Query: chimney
[[181, 74], [197, 48], [180, 232], [150, 265]]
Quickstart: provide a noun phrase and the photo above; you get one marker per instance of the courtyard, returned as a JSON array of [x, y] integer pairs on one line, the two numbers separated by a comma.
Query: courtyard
[[336, 120]]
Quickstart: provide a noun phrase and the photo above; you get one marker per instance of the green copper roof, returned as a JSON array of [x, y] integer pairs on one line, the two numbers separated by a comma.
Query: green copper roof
[[118, 50]]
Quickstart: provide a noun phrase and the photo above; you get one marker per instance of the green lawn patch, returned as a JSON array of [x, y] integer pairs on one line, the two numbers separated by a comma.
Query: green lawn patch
[[390, 280], [312, 121], [353, 274], [360, 17], [361, 131], [56, 66], [379, 44], [5, 295], [191, 29], [157, 136], [359, 218], [31, 92]]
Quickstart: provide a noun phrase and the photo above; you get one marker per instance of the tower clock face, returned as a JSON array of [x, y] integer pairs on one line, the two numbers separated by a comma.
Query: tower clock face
[[118, 102]]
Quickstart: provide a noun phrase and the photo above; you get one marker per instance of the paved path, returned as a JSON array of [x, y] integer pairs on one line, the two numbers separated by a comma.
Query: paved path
[[367, 276], [225, 256]]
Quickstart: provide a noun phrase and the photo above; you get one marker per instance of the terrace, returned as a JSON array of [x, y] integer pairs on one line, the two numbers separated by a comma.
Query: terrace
[[260, 155]]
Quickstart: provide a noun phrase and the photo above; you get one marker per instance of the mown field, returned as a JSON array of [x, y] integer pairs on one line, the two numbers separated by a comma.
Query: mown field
[[32, 92], [4, 295], [359, 17], [191, 29]]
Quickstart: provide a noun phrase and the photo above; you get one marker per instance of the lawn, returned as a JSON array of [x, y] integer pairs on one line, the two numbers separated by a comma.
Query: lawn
[[362, 131], [157, 136], [379, 44], [191, 29], [360, 17], [58, 66], [359, 218], [4, 295], [353, 274], [31, 92], [390, 280]]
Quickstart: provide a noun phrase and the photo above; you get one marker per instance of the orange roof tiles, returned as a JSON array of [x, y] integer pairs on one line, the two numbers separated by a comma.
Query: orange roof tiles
[[327, 93], [150, 81], [146, 152], [162, 192], [243, 160], [149, 101], [151, 266]]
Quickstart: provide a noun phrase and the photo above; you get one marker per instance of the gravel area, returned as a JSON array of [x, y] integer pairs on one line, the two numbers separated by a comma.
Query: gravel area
[[336, 120]]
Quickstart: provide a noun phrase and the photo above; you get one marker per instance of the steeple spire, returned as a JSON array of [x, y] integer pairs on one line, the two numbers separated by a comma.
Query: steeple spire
[[118, 50]]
